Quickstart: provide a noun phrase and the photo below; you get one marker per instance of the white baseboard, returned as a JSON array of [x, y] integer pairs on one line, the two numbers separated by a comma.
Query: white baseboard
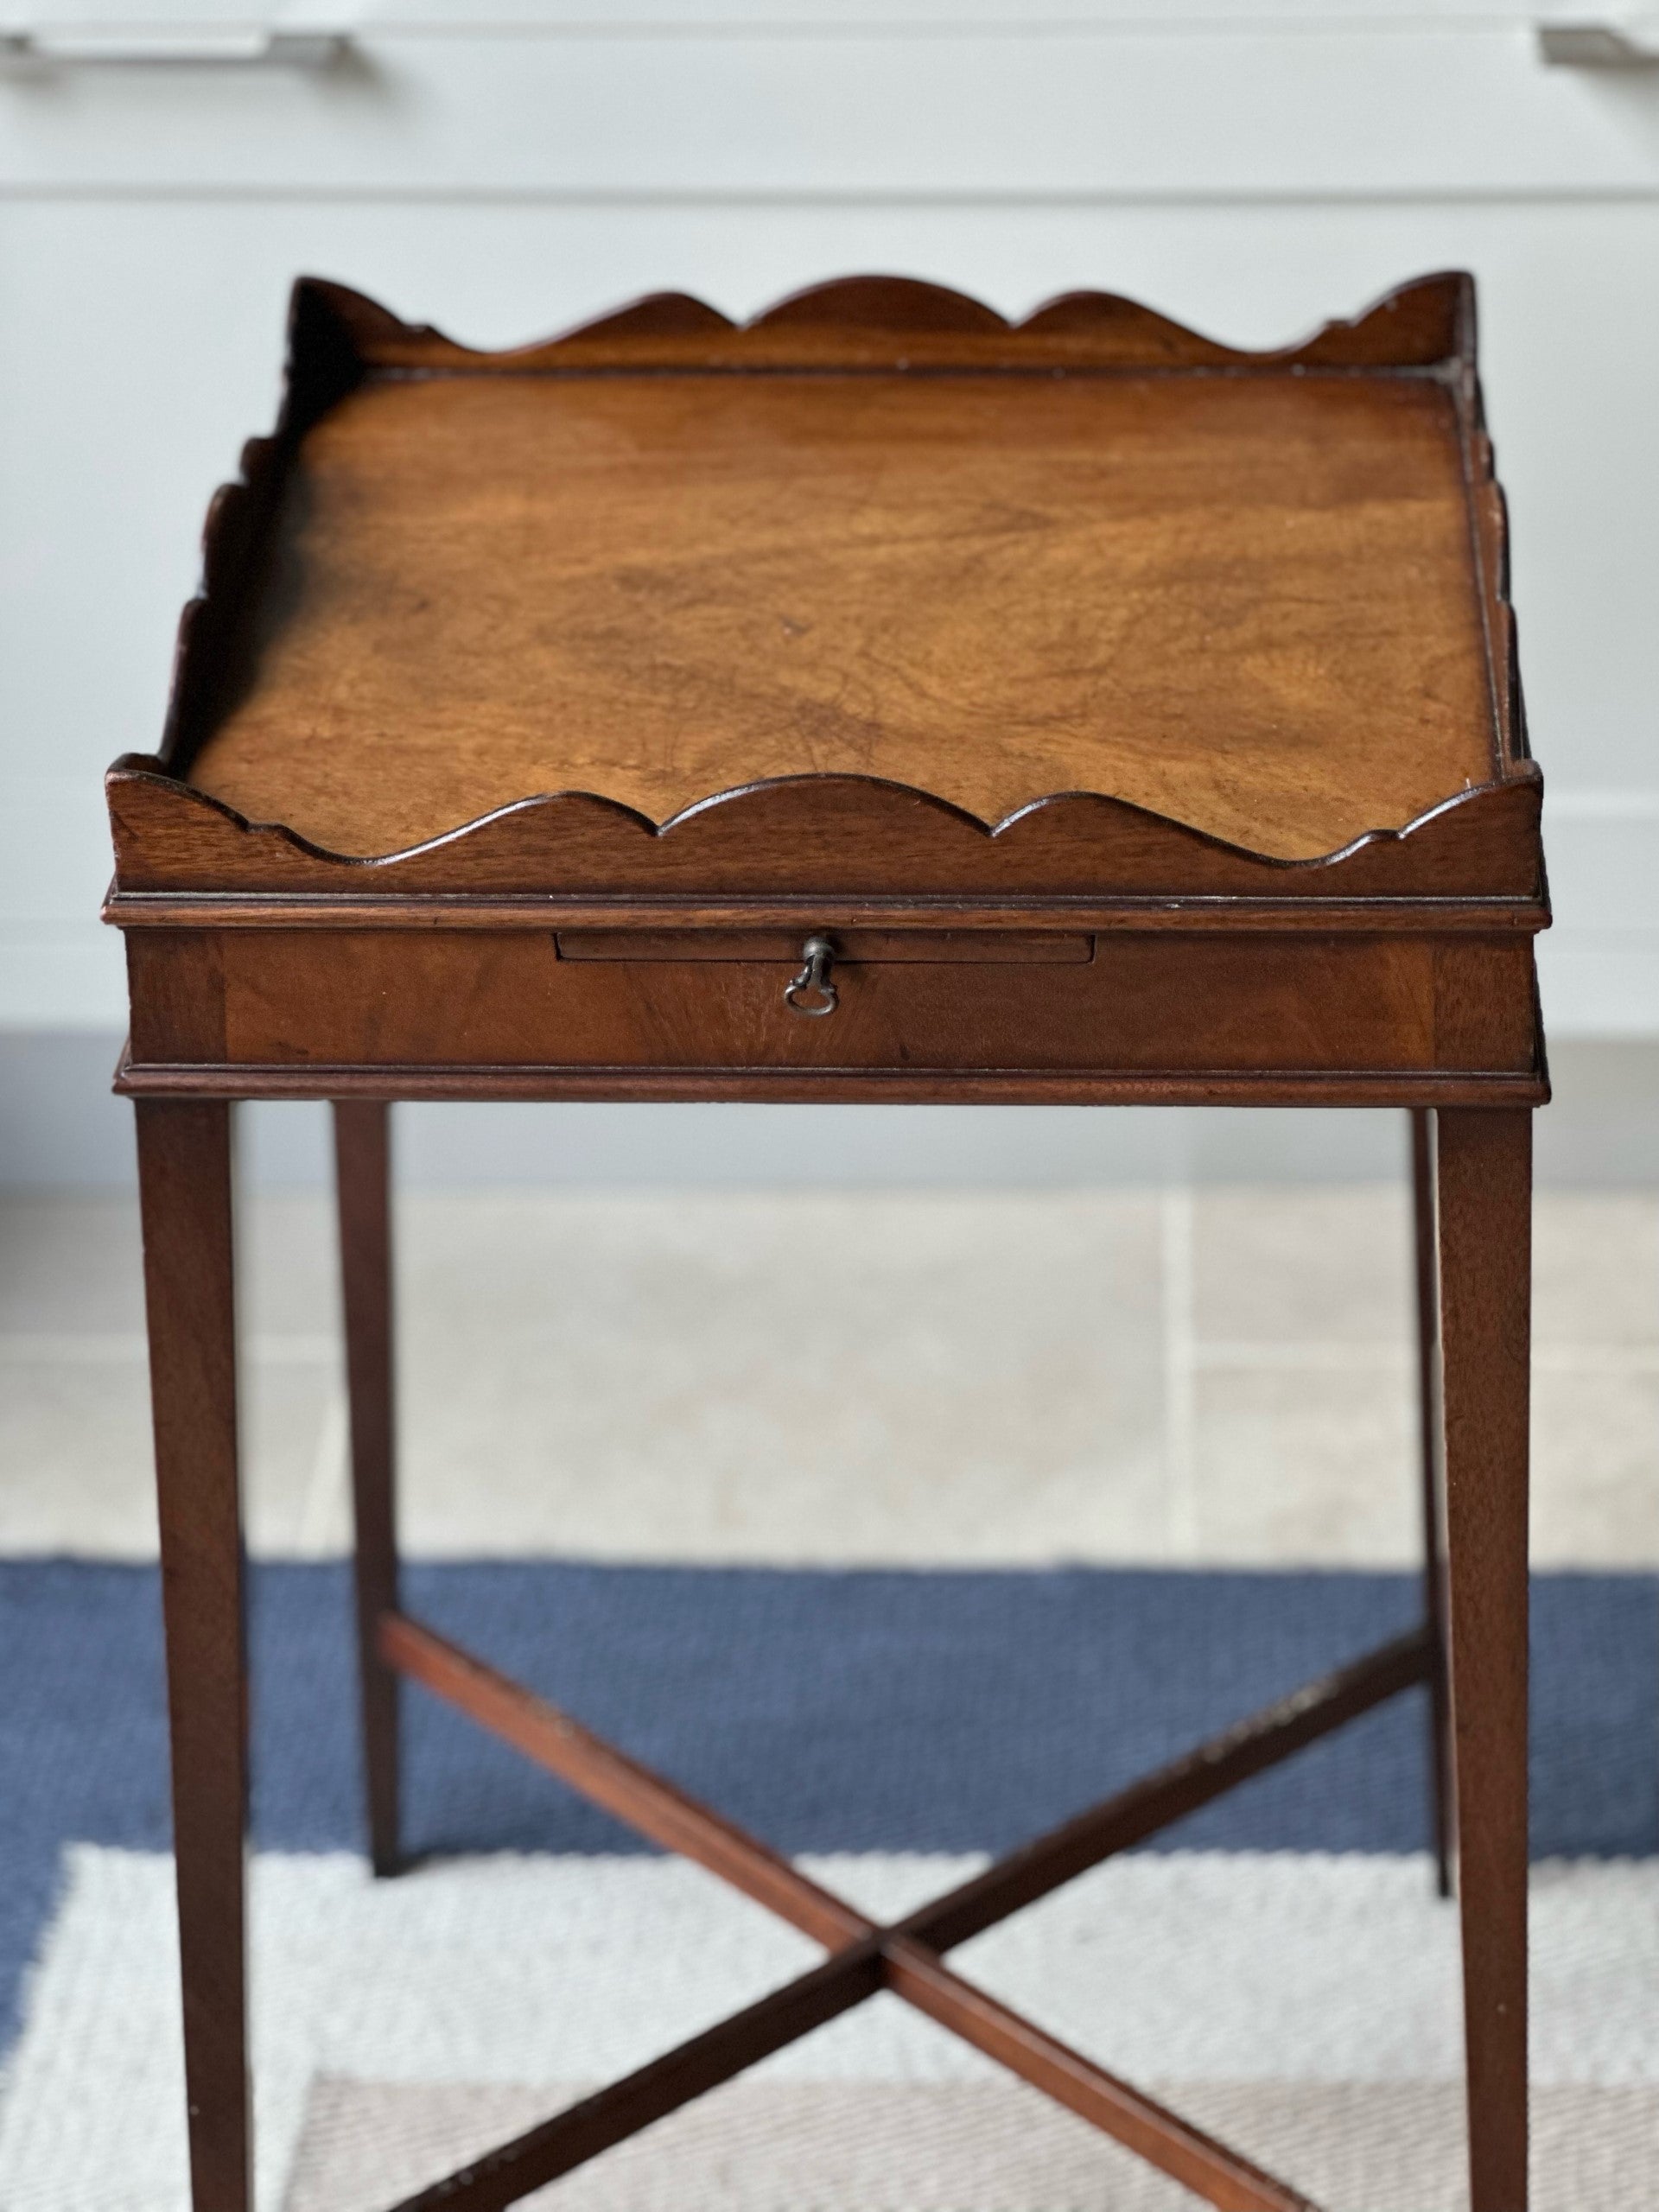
[[1599, 967]]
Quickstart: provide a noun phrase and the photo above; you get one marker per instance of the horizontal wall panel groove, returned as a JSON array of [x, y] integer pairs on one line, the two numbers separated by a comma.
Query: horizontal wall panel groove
[[747, 18], [109, 20], [118, 191]]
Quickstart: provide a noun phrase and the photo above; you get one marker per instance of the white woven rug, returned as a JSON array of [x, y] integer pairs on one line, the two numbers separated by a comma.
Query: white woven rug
[[1304, 2008]]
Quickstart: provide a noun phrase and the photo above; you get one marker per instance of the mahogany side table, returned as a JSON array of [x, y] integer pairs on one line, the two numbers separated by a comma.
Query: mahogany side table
[[876, 701]]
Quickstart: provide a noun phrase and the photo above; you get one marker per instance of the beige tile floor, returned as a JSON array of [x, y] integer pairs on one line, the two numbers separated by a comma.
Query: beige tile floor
[[1218, 1376]]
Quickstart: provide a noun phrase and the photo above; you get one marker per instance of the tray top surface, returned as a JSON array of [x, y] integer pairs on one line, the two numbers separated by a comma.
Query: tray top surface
[[1244, 601]]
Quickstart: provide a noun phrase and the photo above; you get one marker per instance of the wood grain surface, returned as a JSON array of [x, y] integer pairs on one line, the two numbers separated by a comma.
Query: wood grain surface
[[185, 1193], [1484, 1191], [363, 1187], [1304, 1001], [830, 838], [1249, 604]]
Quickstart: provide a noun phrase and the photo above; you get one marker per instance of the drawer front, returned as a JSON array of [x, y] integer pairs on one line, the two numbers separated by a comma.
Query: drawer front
[[1141, 1004]]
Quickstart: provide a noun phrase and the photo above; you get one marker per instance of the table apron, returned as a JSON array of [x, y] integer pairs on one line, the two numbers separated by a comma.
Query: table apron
[[476, 1013]]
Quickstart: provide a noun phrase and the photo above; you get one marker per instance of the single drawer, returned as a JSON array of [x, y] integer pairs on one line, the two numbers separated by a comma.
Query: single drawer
[[1132, 1002]]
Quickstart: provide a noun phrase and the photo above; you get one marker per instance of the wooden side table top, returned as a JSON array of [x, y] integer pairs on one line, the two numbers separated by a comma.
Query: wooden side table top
[[878, 536]]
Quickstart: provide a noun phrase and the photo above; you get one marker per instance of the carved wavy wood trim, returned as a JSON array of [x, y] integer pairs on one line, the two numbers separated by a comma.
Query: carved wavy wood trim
[[337, 337], [897, 323], [850, 834], [323, 367]]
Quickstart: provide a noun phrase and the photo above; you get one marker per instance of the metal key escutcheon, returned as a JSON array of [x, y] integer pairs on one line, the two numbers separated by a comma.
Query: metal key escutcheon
[[813, 981]]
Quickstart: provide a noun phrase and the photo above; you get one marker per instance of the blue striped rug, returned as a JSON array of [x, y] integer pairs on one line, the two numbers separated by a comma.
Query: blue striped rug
[[899, 1725]]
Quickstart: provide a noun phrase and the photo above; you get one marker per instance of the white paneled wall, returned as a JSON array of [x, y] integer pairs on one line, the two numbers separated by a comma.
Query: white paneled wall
[[504, 177]]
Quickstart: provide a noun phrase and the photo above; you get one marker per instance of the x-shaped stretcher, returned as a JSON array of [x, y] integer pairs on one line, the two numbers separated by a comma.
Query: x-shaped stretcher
[[906, 1957]]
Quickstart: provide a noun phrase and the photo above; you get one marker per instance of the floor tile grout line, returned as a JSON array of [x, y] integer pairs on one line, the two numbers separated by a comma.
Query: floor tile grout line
[[325, 1489], [91, 1348], [1181, 1411], [1294, 1357], [1595, 1359], [126, 1348], [1303, 1357]]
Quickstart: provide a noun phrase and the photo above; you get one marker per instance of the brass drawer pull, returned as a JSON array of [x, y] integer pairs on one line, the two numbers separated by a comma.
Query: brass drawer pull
[[817, 952]]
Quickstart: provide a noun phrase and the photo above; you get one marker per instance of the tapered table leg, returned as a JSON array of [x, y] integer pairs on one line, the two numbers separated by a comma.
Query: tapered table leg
[[1428, 1408], [1483, 1183], [363, 1174], [184, 1170]]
